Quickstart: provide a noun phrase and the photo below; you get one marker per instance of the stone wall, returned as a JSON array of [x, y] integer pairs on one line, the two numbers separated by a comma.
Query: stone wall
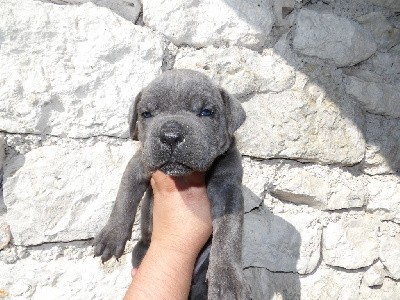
[[319, 81]]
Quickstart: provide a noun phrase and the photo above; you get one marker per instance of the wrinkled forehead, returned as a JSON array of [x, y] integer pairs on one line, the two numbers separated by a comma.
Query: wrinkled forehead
[[181, 88]]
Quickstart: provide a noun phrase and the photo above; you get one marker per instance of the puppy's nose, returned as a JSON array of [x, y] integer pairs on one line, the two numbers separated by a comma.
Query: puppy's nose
[[171, 133]]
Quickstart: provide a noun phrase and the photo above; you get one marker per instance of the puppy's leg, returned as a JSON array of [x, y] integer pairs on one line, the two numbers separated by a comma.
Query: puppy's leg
[[146, 229], [112, 238], [225, 273]]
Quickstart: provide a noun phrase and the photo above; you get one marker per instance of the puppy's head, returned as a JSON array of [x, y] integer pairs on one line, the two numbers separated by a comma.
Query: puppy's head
[[184, 122]]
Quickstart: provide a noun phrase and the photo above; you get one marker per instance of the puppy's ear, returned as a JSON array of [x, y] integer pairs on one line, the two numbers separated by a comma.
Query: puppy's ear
[[235, 113], [133, 116]]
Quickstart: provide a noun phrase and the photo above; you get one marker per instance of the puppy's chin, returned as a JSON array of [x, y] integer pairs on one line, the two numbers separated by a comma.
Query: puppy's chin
[[175, 169]]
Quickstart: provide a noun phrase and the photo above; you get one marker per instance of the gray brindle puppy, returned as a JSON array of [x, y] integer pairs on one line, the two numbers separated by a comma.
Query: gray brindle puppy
[[185, 123]]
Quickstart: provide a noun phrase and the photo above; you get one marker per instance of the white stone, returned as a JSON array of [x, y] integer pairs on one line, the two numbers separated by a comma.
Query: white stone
[[384, 197], [375, 275], [71, 70], [390, 290], [330, 284], [385, 35], [240, 70], [128, 9], [5, 234], [218, 22], [2, 149], [351, 244], [71, 273], [57, 193], [383, 140], [390, 248], [318, 186], [337, 39], [377, 96], [286, 243], [293, 125]]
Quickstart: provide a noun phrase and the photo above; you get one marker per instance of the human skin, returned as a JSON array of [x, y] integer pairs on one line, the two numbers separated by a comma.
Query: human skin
[[181, 226]]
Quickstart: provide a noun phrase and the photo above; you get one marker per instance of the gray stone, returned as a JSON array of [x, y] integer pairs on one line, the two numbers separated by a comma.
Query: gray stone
[[239, 70], [385, 35], [294, 125], [383, 140], [351, 244], [57, 193], [377, 96], [337, 39], [286, 243], [318, 186], [128, 9], [390, 4], [220, 22], [384, 197], [71, 70]]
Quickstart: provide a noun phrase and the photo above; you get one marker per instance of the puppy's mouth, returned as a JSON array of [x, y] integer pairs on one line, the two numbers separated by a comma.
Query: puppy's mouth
[[175, 169]]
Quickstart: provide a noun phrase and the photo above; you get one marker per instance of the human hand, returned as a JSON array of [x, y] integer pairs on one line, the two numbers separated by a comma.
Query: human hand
[[181, 213]]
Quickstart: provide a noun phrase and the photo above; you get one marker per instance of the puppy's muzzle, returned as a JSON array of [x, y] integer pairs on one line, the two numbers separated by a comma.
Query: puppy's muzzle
[[171, 134]]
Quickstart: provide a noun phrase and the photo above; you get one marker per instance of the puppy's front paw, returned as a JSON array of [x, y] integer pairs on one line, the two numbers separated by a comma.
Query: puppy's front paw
[[111, 242], [225, 282]]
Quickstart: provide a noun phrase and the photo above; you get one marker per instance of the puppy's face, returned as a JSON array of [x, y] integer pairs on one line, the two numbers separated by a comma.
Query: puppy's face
[[184, 122]]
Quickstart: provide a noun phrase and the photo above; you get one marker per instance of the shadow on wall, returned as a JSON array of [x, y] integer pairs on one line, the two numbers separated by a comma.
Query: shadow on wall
[[271, 255]]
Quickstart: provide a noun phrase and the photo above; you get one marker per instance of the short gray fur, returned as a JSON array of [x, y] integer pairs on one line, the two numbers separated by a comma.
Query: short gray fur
[[185, 123]]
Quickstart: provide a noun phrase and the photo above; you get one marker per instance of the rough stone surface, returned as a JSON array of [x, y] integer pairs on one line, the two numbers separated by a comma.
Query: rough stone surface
[[200, 23], [375, 275], [128, 9], [288, 243], [293, 125], [239, 70], [390, 4], [384, 197], [377, 96], [385, 35], [383, 140], [351, 244], [5, 234], [337, 39], [318, 186], [388, 291], [94, 65], [390, 248], [71, 191], [2, 149]]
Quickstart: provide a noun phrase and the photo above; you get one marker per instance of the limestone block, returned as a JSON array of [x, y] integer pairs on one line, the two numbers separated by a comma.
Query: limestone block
[[318, 186], [375, 275], [377, 96], [390, 248], [284, 243], [203, 23], [389, 290], [351, 244], [128, 9], [337, 39], [393, 5], [385, 35], [383, 140], [239, 70], [384, 197], [65, 272], [63, 193], [330, 284], [71, 70], [294, 125]]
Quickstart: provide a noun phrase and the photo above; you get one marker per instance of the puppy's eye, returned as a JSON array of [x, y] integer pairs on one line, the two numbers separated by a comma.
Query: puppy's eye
[[146, 114], [206, 113]]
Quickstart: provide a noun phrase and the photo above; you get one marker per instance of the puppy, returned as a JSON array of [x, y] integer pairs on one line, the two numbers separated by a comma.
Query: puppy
[[185, 123]]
